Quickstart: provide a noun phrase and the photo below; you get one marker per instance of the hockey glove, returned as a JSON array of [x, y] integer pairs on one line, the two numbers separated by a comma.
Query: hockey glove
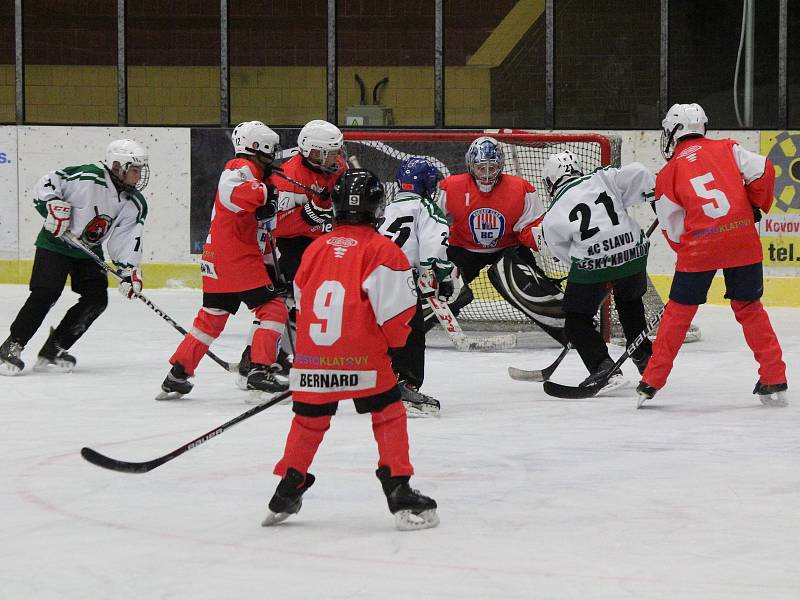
[[756, 214], [57, 219], [270, 206], [317, 216], [131, 283]]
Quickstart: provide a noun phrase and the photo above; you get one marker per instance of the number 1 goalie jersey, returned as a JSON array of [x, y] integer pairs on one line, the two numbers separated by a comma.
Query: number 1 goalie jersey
[[355, 295]]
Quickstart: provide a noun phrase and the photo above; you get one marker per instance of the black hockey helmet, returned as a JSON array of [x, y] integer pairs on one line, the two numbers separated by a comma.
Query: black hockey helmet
[[356, 196]]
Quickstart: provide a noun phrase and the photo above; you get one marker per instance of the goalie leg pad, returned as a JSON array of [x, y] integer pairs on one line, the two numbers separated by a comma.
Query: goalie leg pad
[[761, 339]]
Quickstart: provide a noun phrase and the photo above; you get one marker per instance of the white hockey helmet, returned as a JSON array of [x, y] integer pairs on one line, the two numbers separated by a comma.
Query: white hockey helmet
[[485, 160], [253, 137], [681, 120], [128, 153], [559, 169], [320, 144]]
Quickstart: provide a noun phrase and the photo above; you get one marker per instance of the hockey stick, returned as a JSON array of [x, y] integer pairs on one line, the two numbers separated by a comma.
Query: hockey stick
[[123, 466], [544, 374], [279, 172], [281, 279], [463, 343], [588, 391], [76, 243]]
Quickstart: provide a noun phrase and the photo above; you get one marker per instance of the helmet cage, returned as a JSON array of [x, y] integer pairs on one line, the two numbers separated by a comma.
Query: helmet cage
[[128, 153], [322, 145], [485, 160]]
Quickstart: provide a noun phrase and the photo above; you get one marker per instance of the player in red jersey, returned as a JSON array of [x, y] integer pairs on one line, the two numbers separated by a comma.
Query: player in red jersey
[[708, 197], [304, 213], [232, 266], [355, 295], [488, 211]]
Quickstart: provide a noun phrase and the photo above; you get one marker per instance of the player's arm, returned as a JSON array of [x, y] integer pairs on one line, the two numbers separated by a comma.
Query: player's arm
[[529, 223], [239, 190], [758, 173], [634, 184], [392, 299], [671, 214], [49, 200], [124, 244], [557, 233]]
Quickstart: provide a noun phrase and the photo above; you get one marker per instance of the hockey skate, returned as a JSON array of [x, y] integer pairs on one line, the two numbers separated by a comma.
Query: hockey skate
[[288, 497], [644, 393], [282, 366], [176, 384], [411, 509], [53, 358], [10, 362], [773, 394], [244, 368], [615, 381], [418, 404], [264, 382]]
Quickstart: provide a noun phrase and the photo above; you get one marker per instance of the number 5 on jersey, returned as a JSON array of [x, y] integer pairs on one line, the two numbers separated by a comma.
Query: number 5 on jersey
[[719, 205]]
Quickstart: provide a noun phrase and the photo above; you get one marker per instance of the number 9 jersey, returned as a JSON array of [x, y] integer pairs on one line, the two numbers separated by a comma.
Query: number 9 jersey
[[355, 295]]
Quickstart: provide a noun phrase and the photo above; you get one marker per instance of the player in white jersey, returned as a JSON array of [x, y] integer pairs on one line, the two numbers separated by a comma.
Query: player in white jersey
[[588, 228], [416, 224], [99, 202]]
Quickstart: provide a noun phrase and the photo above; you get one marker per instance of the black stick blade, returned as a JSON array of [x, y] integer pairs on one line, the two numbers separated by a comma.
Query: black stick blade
[[113, 464], [572, 392]]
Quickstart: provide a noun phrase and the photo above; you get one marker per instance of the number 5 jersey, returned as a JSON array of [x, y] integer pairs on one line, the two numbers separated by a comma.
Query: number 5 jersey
[[355, 295]]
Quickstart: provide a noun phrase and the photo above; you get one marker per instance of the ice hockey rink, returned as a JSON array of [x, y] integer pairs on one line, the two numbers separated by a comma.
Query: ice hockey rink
[[695, 496]]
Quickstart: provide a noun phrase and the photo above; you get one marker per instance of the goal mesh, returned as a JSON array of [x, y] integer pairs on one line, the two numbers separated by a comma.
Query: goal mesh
[[525, 156]]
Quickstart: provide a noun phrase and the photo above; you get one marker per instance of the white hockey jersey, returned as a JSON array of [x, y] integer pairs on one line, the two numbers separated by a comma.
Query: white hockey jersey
[[99, 213], [588, 225], [419, 227]]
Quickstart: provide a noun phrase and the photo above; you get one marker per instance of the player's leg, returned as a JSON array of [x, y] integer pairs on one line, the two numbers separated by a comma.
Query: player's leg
[[412, 510], [207, 327], [688, 291], [628, 300], [271, 313], [308, 428], [744, 287], [409, 364], [50, 270]]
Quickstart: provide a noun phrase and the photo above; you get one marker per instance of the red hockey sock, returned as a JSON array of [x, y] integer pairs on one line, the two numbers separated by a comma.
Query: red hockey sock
[[671, 333], [272, 318], [304, 438], [389, 427], [762, 340], [207, 326]]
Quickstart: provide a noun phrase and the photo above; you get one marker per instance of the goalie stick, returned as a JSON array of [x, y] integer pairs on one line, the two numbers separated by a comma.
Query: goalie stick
[[546, 373], [463, 343], [589, 391], [123, 466], [76, 243]]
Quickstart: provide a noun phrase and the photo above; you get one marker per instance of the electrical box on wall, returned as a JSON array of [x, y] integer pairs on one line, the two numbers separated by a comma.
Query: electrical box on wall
[[369, 115]]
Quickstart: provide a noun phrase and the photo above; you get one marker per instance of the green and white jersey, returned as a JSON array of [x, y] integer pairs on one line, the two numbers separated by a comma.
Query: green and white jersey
[[588, 226], [99, 213], [419, 227]]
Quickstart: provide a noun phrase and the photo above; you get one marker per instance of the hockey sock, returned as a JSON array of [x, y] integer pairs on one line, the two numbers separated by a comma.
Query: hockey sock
[[671, 333], [585, 339], [207, 326], [272, 317], [305, 436], [760, 336], [389, 428]]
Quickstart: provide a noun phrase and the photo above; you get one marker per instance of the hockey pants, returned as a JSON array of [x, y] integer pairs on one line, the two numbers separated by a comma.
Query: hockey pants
[[388, 426]]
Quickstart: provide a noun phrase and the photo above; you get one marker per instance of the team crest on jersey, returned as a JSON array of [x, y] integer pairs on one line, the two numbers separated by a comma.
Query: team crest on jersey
[[487, 226], [96, 229], [341, 245], [690, 153]]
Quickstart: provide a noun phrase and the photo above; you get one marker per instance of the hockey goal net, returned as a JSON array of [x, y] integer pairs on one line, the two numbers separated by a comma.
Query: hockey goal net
[[525, 156]]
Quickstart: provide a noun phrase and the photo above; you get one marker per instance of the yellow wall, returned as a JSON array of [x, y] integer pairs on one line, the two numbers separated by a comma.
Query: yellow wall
[[278, 95], [173, 95], [8, 113], [70, 94]]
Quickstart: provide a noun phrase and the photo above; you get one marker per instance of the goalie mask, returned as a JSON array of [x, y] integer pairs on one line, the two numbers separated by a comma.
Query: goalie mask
[[681, 120], [485, 162], [131, 157], [321, 144], [356, 196], [559, 169], [253, 138], [418, 175]]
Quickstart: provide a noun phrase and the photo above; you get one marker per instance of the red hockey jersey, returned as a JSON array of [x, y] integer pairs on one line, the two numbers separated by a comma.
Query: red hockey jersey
[[355, 295], [705, 197], [232, 260], [489, 221], [291, 198]]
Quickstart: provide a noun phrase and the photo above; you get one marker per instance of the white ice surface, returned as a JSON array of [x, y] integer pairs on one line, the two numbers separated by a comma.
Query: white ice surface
[[698, 496]]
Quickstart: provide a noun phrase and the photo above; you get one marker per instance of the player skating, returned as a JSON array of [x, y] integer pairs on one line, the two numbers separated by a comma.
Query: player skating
[[708, 197], [99, 202], [355, 295], [233, 270], [588, 228], [416, 224]]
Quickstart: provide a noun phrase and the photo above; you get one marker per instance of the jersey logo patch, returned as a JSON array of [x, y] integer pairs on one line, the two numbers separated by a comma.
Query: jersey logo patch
[[96, 229], [207, 270], [341, 245], [487, 226]]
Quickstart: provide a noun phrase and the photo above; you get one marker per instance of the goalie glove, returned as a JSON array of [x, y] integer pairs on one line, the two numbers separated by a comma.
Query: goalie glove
[[131, 283], [318, 215], [57, 219]]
